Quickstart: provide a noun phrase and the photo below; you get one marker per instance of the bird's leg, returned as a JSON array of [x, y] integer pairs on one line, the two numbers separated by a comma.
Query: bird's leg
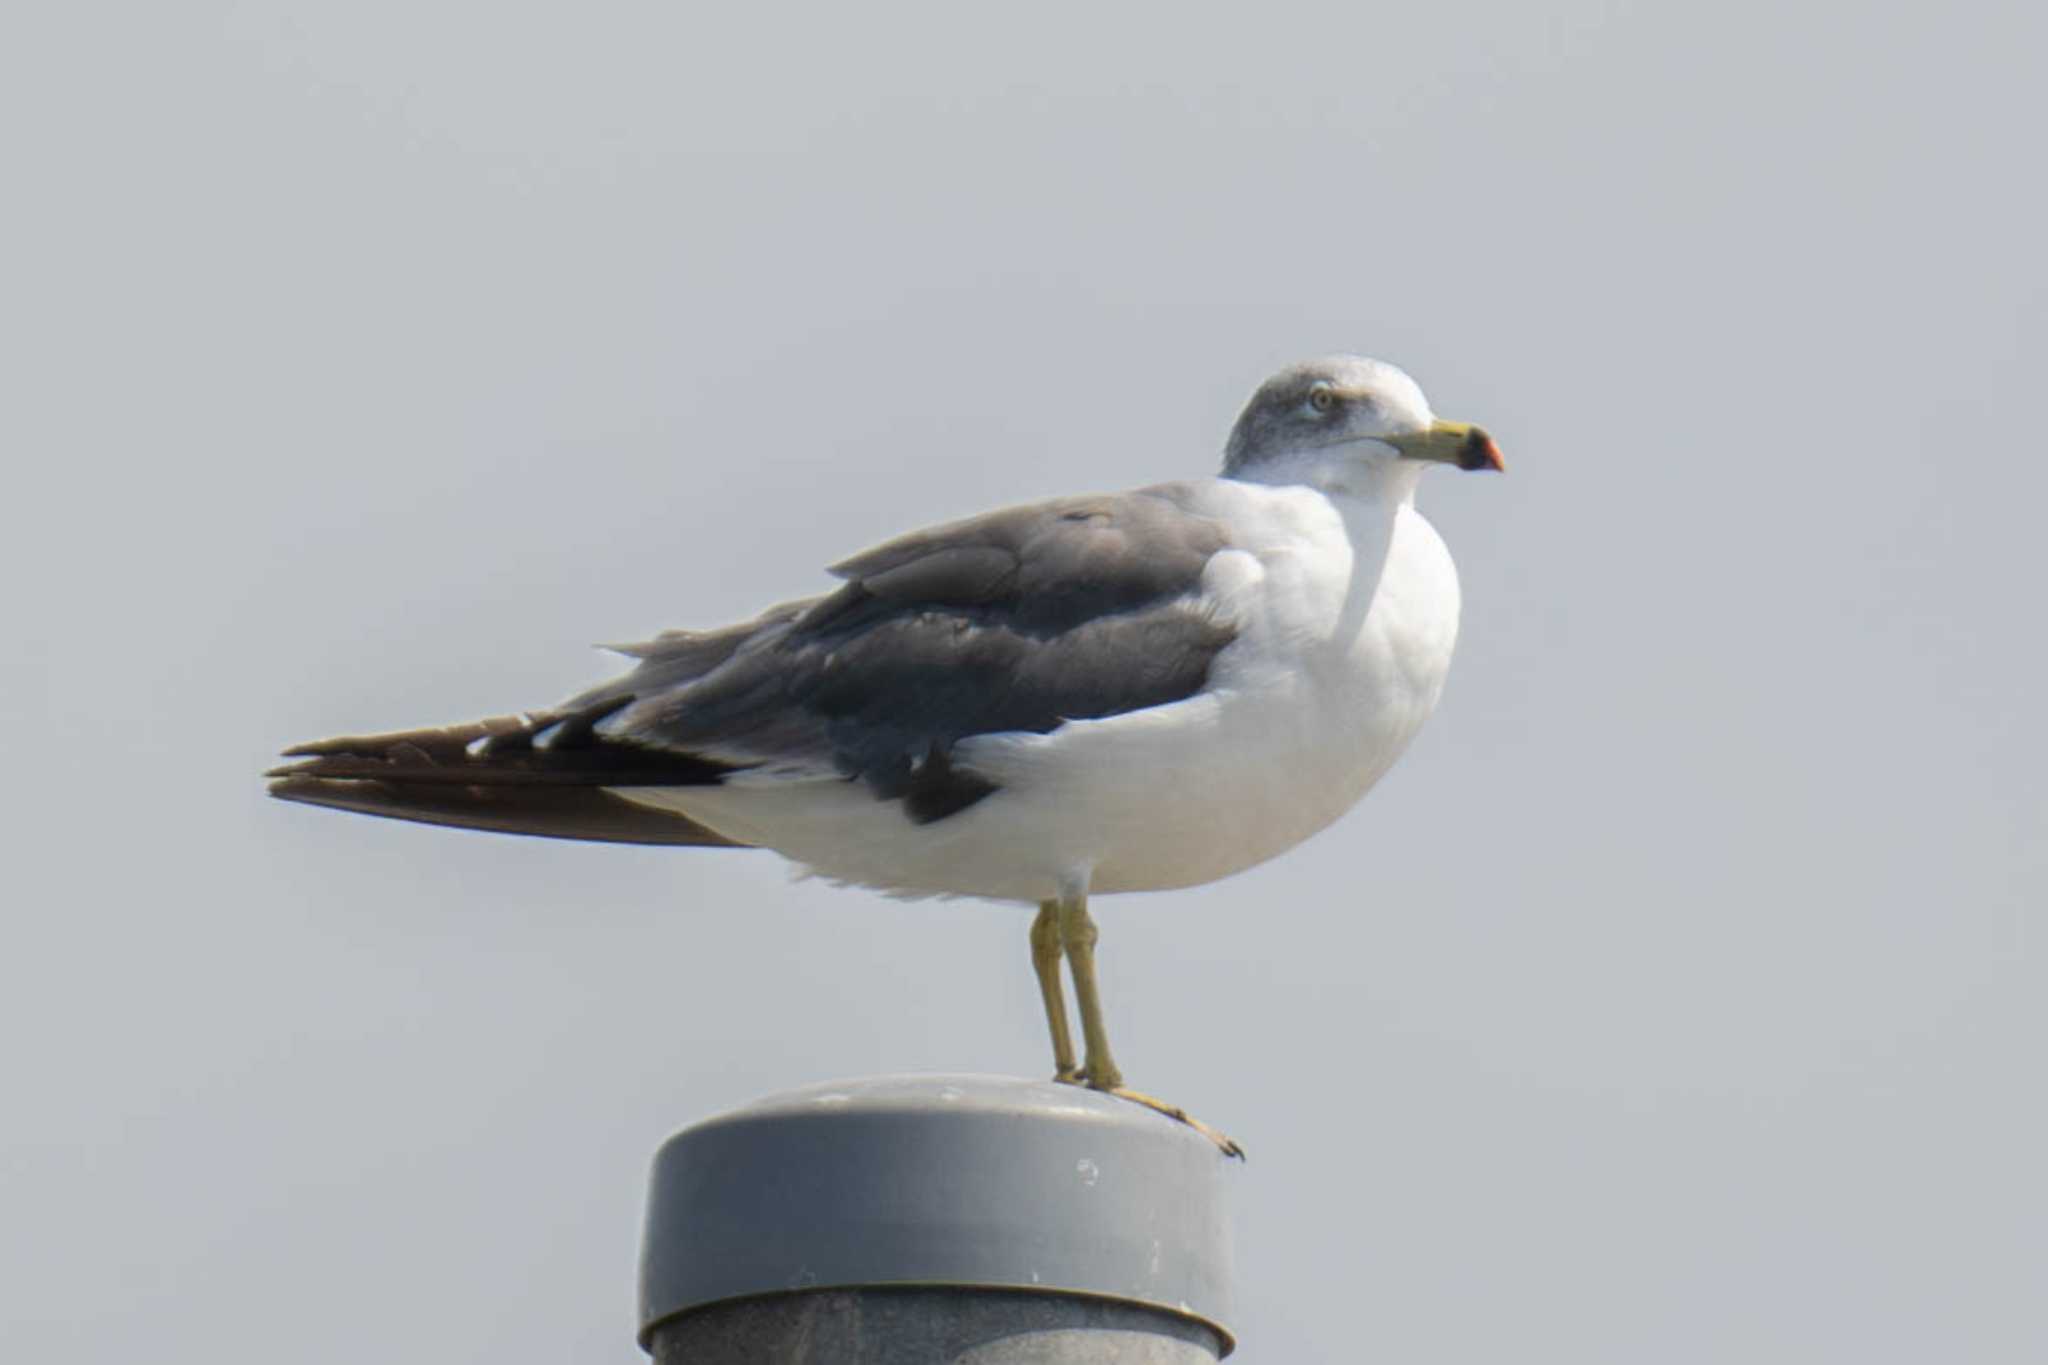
[[1045, 960], [1078, 933], [1099, 1072]]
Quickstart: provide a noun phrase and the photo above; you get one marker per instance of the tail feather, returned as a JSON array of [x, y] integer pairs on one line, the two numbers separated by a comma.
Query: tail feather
[[541, 773]]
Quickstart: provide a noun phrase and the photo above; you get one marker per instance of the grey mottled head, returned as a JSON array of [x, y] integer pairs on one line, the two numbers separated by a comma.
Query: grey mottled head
[[1351, 408]]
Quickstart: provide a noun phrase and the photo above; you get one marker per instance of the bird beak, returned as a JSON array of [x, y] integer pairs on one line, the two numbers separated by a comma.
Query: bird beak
[[1458, 443]]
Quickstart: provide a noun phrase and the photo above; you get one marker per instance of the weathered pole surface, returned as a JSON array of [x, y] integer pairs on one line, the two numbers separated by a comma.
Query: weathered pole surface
[[937, 1220]]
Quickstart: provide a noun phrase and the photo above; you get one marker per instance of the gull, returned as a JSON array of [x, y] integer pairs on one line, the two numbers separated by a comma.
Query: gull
[[1132, 691]]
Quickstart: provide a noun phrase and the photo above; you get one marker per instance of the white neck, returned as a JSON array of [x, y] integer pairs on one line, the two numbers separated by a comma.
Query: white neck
[[1339, 471]]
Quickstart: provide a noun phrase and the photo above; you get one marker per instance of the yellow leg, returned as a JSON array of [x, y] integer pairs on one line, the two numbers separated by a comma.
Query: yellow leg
[[1078, 933], [1045, 961]]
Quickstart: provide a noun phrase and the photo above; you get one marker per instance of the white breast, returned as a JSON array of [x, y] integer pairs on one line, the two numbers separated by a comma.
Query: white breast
[[1346, 612]]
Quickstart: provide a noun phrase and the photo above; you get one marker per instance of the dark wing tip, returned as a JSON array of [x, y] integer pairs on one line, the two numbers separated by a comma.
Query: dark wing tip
[[441, 741], [287, 785], [583, 813]]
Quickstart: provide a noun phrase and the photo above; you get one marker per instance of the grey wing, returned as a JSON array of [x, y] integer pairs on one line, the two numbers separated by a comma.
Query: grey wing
[[1020, 620], [1017, 621]]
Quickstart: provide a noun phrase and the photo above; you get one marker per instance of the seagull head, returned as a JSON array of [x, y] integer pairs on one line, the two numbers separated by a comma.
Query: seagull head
[[1351, 423]]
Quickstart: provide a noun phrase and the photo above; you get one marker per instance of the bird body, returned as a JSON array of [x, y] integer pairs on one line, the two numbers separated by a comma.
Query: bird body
[[1121, 692], [1344, 607]]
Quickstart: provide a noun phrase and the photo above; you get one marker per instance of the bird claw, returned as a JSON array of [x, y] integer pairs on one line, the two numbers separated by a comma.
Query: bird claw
[[1225, 1144]]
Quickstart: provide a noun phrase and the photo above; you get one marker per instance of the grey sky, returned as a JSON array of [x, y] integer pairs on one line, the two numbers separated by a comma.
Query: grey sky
[[1679, 997]]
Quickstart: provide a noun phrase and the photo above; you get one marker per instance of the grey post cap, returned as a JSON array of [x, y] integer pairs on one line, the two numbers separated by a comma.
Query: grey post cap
[[964, 1181]]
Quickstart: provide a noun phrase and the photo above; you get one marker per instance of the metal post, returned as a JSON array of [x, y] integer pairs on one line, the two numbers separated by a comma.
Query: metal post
[[937, 1220]]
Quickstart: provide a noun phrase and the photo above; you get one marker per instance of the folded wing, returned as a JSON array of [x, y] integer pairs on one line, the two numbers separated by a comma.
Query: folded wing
[[1020, 620]]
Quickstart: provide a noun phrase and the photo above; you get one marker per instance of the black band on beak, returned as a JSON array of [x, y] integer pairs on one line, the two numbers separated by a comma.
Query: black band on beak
[[1479, 452]]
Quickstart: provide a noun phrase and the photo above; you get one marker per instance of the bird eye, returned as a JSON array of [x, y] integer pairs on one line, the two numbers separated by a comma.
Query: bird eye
[[1321, 398]]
